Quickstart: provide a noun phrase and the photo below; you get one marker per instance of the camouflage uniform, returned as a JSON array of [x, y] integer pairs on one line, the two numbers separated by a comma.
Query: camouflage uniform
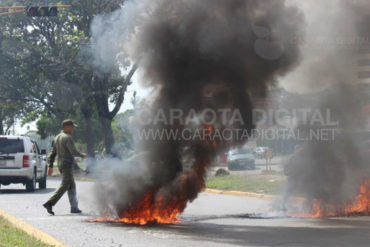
[[64, 147]]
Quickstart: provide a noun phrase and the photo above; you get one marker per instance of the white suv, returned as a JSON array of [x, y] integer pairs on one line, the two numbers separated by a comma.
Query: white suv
[[22, 162]]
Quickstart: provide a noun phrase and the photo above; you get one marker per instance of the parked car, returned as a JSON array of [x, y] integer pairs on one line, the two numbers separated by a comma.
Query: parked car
[[259, 152], [240, 159], [21, 161]]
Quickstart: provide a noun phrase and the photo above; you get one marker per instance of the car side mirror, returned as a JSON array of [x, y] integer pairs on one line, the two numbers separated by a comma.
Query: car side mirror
[[43, 151]]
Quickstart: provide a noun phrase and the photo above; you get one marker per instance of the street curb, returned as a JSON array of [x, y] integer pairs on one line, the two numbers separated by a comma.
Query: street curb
[[239, 193], [248, 194], [32, 231]]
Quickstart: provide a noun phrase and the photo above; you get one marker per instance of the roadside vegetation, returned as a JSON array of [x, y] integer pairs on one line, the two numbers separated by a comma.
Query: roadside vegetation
[[265, 183], [13, 237]]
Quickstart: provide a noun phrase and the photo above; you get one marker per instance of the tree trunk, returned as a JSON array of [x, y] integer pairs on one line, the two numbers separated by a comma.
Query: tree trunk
[[101, 88], [87, 112], [90, 142], [108, 134], [1, 123], [7, 129], [90, 137], [102, 103]]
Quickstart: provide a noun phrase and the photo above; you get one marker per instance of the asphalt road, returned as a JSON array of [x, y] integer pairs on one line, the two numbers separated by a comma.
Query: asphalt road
[[212, 220]]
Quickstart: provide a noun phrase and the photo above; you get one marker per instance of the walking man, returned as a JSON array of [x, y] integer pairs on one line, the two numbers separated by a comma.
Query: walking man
[[64, 147]]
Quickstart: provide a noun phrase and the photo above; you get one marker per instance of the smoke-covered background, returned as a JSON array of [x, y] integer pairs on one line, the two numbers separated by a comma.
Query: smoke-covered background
[[198, 55], [218, 54], [337, 34]]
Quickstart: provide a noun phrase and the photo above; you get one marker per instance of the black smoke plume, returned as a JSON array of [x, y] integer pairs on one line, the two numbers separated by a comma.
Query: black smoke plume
[[197, 54]]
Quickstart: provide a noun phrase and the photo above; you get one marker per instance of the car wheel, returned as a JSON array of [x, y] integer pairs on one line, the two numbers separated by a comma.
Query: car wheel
[[42, 183], [231, 167], [31, 184]]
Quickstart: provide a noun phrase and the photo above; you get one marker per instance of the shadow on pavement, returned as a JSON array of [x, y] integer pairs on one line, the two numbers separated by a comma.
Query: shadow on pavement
[[268, 232], [73, 215], [20, 191], [257, 235]]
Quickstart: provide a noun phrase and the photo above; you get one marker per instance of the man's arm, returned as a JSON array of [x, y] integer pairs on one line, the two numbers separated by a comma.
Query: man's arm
[[52, 156], [72, 148]]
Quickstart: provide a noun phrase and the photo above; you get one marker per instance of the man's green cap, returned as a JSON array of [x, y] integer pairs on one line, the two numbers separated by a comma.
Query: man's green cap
[[68, 122]]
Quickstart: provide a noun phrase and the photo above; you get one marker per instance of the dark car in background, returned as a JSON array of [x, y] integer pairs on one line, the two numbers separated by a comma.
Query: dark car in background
[[240, 159]]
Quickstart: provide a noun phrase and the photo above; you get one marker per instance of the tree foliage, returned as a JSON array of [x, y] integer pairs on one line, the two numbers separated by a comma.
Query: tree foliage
[[47, 75]]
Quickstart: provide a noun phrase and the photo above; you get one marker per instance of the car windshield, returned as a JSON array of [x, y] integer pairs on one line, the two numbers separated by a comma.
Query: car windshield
[[11, 146], [239, 151]]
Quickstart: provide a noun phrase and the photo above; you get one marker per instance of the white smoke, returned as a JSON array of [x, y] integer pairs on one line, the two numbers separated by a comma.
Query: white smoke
[[328, 45]]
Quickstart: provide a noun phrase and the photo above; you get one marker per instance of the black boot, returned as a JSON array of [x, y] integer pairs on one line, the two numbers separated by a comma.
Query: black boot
[[75, 211], [49, 208]]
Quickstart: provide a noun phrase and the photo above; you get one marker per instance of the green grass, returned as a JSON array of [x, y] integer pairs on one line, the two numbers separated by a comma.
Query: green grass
[[266, 184], [13, 237]]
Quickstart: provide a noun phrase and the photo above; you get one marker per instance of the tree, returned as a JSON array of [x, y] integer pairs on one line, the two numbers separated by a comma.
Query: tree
[[107, 87], [49, 71], [102, 87], [12, 106]]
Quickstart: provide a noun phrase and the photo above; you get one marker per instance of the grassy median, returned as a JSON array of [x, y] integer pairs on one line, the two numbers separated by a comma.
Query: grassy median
[[261, 183], [13, 237]]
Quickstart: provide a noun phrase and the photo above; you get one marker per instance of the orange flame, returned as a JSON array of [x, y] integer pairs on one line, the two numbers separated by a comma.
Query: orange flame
[[153, 208], [148, 211], [362, 203], [209, 139], [361, 206]]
